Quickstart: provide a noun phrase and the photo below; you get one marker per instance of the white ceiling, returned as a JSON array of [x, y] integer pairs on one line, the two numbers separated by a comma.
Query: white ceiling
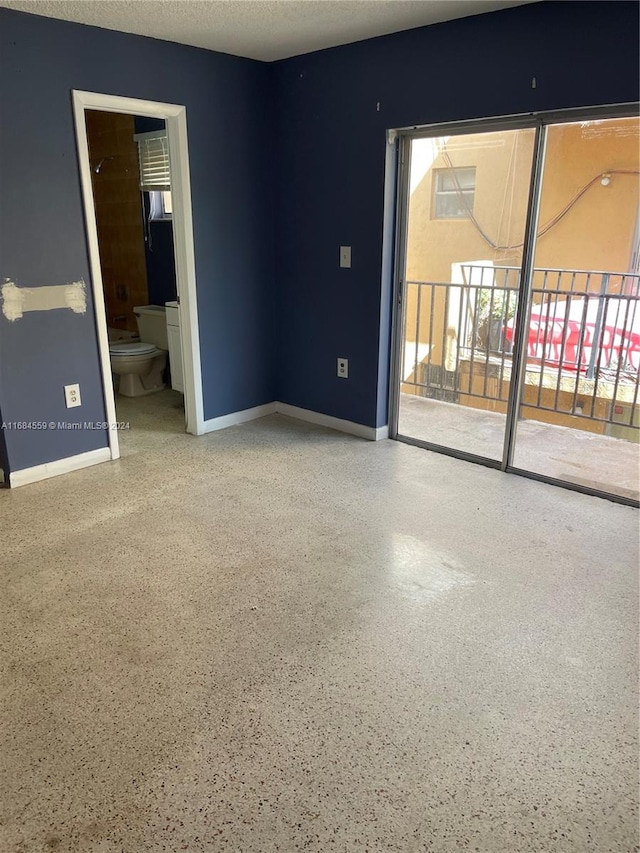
[[260, 29]]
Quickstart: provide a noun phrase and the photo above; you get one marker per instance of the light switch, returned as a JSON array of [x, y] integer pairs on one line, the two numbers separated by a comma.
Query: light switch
[[345, 256]]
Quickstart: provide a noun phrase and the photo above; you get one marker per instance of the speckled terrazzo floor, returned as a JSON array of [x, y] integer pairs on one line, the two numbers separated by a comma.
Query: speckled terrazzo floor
[[280, 638]]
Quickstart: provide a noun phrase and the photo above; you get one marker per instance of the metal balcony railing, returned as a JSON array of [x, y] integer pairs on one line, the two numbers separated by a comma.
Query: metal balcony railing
[[583, 340]]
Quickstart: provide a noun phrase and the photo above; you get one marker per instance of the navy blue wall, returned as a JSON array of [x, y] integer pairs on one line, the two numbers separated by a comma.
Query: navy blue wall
[[161, 265], [43, 238], [159, 257], [327, 161], [331, 138]]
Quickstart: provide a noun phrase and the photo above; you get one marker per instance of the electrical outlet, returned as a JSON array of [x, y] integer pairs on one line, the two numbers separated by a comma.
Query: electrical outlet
[[345, 257], [72, 396], [343, 368]]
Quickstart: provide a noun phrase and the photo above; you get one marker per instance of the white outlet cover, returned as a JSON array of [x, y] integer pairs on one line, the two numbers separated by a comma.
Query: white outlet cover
[[72, 396], [343, 368]]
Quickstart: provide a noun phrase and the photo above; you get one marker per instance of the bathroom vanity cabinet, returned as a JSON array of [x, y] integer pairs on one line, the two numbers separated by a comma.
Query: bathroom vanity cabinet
[[175, 346]]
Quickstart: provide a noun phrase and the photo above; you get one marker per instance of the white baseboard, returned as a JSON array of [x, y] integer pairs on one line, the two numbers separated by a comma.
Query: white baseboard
[[59, 466], [362, 431], [103, 454], [236, 418]]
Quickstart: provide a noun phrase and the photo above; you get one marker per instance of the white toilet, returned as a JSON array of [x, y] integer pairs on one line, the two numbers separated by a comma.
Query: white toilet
[[138, 365]]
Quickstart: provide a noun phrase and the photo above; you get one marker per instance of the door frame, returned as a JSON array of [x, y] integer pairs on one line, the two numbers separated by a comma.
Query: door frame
[[539, 122], [175, 117]]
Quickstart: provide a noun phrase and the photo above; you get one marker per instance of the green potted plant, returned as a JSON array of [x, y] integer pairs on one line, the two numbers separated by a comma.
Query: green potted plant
[[496, 306]]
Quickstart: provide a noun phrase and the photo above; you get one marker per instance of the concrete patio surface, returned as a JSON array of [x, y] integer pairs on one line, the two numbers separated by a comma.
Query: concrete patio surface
[[600, 462]]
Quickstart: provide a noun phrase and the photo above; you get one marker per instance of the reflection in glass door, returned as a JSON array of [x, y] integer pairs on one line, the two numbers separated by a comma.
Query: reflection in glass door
[[579, 414], [468, 196]]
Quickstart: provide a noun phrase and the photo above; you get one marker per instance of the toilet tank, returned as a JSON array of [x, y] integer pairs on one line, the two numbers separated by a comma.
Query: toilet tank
[[152, 325]]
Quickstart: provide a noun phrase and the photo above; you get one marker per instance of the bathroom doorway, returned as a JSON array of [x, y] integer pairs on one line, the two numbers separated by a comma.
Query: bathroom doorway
[[134, 168], [131, 183]]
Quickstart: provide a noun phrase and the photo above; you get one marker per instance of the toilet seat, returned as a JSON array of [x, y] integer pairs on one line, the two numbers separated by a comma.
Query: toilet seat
[[135, 348]]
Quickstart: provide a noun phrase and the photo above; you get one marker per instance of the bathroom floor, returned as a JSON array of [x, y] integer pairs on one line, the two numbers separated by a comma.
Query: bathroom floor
[[158, 414], [277, 637]]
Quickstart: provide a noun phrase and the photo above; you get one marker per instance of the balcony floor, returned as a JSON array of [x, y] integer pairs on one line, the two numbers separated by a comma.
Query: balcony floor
[[600, 462]]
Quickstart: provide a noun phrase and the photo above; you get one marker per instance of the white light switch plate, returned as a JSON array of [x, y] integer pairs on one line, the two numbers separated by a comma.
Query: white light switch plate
[[72, 396], [345, 257]]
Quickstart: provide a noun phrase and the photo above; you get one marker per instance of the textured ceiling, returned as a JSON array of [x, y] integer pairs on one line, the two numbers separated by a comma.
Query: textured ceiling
[[260, 29]]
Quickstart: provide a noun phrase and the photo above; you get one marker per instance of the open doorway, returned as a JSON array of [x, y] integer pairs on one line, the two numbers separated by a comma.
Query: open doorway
[[134, 167], [131, 185]]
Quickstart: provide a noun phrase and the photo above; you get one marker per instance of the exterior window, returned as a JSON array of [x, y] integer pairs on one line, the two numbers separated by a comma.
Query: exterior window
[[160, 205], [155, 172], [454, 190]]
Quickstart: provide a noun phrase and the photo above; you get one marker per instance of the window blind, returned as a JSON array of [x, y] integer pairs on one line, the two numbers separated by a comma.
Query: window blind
[[153, 156]]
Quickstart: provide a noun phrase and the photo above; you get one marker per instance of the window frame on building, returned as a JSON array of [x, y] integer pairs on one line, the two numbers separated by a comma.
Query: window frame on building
[[462, 188]]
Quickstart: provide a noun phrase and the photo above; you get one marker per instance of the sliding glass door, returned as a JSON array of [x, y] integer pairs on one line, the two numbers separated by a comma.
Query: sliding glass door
[[578, 419], [517, 322], [467, 212]]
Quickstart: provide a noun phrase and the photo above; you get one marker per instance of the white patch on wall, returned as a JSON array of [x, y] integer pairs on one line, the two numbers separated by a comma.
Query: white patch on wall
[[16, 301]]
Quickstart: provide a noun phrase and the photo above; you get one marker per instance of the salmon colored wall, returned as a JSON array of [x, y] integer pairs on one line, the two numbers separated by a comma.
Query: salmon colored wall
[[116, 193], [503, 168], [597, 233]]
